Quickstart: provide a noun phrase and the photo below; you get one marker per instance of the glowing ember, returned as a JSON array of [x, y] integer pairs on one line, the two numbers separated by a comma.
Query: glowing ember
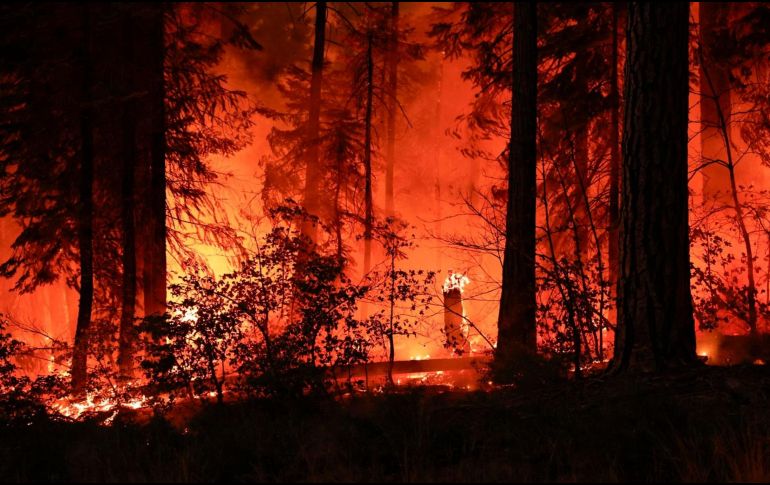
[[91, 404]]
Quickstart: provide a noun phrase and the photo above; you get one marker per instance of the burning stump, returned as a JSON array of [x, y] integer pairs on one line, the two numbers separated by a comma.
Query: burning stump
[[455, 327]]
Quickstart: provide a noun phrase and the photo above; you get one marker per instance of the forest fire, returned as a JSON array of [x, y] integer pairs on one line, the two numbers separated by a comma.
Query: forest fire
[[448, 240], [91, 406]]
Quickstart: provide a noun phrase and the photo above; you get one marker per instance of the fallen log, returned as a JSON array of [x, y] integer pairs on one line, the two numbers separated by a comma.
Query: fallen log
[[375, 369]]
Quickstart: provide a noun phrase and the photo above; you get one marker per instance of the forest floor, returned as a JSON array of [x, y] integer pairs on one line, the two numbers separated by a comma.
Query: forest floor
[[704, 424]]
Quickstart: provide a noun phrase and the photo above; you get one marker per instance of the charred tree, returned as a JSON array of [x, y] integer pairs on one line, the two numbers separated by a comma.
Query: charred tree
[[85, 222], [655, 327], [516, 320], [313, 173], [454, 322]]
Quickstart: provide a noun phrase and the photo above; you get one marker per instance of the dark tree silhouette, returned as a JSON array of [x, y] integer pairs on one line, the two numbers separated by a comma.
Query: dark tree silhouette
[[129, 152], [392, 58], [86, 216], [154, 269], [614, 196], [368, 175], [313, 168], [516, 321], [655, 314]]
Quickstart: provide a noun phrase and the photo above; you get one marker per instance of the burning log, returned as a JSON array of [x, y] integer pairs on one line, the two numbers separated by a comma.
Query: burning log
[[455, 325]]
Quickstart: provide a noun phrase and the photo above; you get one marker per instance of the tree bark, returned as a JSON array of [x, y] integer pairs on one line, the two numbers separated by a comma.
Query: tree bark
[[655, 327], [313, 171], [516, 320], [79, 370]]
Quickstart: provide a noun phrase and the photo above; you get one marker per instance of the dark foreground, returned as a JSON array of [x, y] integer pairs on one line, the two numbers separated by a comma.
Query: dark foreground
[[707, 425]]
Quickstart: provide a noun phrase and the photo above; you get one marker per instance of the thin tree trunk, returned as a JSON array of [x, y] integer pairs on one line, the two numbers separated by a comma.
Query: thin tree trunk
[[313, 171], [574, 308], [79, 371], [390, 155], [155, 264], [368, 199], [391, 341], [129, 152], [559, 280], [614, 203], [723, 127], [516, 320], [714, 101], [655, 315]]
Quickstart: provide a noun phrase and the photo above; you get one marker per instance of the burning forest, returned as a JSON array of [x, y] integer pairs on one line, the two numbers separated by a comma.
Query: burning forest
[[384, 241]]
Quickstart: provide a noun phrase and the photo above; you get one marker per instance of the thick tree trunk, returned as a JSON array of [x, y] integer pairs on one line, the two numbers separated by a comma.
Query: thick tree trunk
[[516, 320], [155, 262], [313, 172], [714, 100], [79, 370], [368, 198], [655, 315], [127, 334], [390, 155]]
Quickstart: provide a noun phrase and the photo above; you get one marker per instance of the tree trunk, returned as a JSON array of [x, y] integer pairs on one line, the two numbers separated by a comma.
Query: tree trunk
[[614, 203], [313, 172], [368, 199], [655, 316], [714, 99], [155, 262], [127, 334], [454, 323], [79, 371], [516, 320], [392, 69]]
